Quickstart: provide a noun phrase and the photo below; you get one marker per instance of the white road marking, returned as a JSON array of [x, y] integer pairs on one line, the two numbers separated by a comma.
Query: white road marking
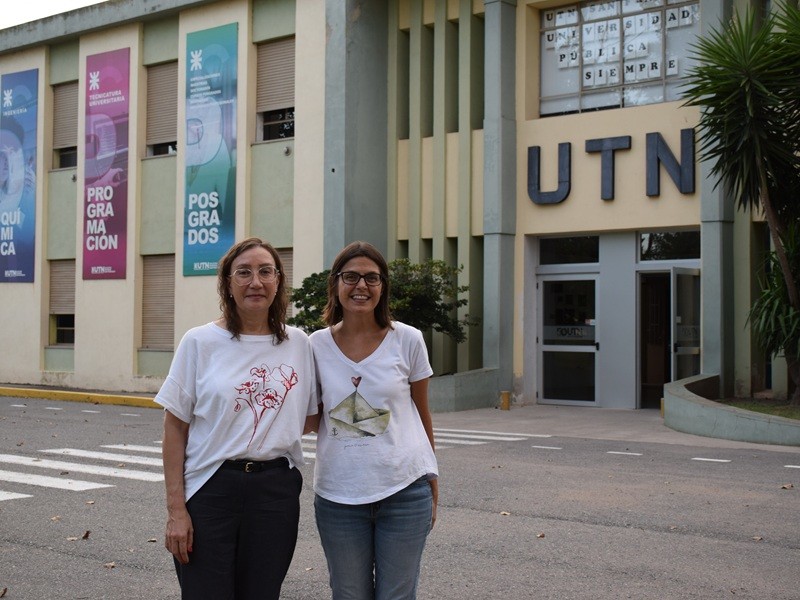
[[124, 458], [625, 453], [52, 408], [715, 460], [547, 447], [93, 412], [12, 496], [19, 406], [133, 448], [437, 435], [51, 482], [79, 468], [530, 435], [792, 466], [129, 415]]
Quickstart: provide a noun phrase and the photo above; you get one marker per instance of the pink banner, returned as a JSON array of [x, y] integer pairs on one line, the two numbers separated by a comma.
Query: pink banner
[[106, 165]]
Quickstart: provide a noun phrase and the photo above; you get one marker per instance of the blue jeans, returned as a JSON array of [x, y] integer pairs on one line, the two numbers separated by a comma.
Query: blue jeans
[[374, 550]]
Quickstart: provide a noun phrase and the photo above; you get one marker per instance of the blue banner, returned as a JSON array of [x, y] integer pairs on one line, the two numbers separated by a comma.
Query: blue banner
[[210, 201], [18, 144]]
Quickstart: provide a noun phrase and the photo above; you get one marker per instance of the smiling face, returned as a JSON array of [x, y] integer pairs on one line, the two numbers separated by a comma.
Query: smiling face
[[254, 298], [359, 298]]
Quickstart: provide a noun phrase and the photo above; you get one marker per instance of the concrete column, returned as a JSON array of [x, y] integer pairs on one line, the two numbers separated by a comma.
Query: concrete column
[[499, 211], [355, 125], [716, 253]]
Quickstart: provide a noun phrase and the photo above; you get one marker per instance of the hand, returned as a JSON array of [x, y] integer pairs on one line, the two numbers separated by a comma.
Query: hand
[[179, 536]]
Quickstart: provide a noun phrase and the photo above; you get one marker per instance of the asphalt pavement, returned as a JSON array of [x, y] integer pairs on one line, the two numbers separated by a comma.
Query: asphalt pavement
[[613, 505], [643, 425]]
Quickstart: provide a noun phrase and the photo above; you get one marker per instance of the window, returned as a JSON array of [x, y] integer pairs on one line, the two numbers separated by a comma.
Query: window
[[62, 302], [569, 250], [65, 125], [674, 245], [162, 109], [158, 302], [278, 124], [599, 55], [287, 260], [275, 90]]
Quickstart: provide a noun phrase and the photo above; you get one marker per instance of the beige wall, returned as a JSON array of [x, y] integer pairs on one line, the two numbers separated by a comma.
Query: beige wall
[[106, 320], [196, 299], [309, 135], [584, 210], [24, 331]]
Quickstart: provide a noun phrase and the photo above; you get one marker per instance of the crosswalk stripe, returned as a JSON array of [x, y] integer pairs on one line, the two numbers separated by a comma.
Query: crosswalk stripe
[[459, 442], [51, 482], [477, 437], [124, 458], [133, 448], [12, 496], [493, 433], [79, 468]]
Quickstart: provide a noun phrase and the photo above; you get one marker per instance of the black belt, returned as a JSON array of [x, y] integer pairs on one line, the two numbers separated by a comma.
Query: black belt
[[254, 466]]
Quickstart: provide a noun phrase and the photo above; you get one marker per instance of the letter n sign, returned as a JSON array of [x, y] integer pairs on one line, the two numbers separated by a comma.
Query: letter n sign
[[659, 153]]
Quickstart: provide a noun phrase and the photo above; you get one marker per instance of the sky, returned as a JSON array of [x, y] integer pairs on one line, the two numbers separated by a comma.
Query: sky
[[15, 12]]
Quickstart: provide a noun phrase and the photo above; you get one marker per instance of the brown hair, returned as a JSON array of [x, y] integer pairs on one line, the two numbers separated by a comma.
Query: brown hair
[[332, 313], [277, 311]]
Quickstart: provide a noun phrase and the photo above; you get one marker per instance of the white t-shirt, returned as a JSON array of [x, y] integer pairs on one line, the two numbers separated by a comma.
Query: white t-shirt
[[371, 440], [245, 398]]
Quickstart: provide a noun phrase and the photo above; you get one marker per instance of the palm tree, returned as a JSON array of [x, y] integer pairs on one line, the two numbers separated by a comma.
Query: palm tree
[[747, 84]]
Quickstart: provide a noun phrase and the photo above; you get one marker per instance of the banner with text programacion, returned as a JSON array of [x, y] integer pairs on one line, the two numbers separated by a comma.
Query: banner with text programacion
[[105, 206]]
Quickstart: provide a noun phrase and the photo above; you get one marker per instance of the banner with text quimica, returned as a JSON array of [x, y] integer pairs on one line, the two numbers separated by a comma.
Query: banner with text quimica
[[105, 200], [18, 146], [210, 155]]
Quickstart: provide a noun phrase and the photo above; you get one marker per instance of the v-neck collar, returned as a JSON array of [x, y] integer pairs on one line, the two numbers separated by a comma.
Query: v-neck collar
[[367, 359]]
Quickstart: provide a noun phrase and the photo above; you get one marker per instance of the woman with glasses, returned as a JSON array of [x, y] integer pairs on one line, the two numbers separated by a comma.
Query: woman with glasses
[[237, 398], [375, 476]]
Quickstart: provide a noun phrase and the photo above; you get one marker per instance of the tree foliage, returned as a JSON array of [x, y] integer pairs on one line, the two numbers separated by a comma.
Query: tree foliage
[[747, 84], [775, 322], [424, 295]]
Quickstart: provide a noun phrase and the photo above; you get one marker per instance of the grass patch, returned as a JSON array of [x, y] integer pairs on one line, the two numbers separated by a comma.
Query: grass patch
[[766, 406]]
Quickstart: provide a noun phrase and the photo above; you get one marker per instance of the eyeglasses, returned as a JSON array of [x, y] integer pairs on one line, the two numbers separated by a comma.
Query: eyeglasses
[[245, 276], [352, 278]]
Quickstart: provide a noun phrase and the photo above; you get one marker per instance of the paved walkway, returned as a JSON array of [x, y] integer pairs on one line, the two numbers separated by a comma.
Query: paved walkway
[[586, 422]]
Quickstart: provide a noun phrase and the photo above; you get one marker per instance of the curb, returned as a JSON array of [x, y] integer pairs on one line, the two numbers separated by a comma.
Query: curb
[[77, 396]]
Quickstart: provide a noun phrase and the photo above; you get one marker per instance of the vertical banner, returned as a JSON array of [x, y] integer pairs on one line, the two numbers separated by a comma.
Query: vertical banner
[[18, 118], [105, 214], [210, 202]]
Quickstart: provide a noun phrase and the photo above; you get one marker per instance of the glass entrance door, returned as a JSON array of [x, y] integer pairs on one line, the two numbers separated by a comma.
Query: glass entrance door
[[568, 344], [685, 322]]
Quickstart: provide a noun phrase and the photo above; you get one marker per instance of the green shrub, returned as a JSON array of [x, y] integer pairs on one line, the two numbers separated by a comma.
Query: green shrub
[[423, 295]]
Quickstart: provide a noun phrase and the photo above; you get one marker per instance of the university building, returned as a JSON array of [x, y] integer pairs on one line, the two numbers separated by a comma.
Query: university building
[[543, 146]]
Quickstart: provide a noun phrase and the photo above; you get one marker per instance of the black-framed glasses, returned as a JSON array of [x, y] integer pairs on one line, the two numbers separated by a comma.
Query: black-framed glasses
[[352, 278], [244, 276]]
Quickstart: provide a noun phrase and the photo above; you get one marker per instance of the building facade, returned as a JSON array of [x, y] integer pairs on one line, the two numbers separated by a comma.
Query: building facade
[[542, 146]]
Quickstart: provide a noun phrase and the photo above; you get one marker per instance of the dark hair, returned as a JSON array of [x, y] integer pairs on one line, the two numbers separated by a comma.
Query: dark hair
[[276, 317], [332, 313]]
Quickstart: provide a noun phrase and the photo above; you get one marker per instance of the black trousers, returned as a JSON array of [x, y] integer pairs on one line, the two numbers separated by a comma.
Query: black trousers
[[245, 532]]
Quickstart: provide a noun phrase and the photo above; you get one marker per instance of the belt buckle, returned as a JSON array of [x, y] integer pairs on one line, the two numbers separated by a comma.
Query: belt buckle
[[248, 467]]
